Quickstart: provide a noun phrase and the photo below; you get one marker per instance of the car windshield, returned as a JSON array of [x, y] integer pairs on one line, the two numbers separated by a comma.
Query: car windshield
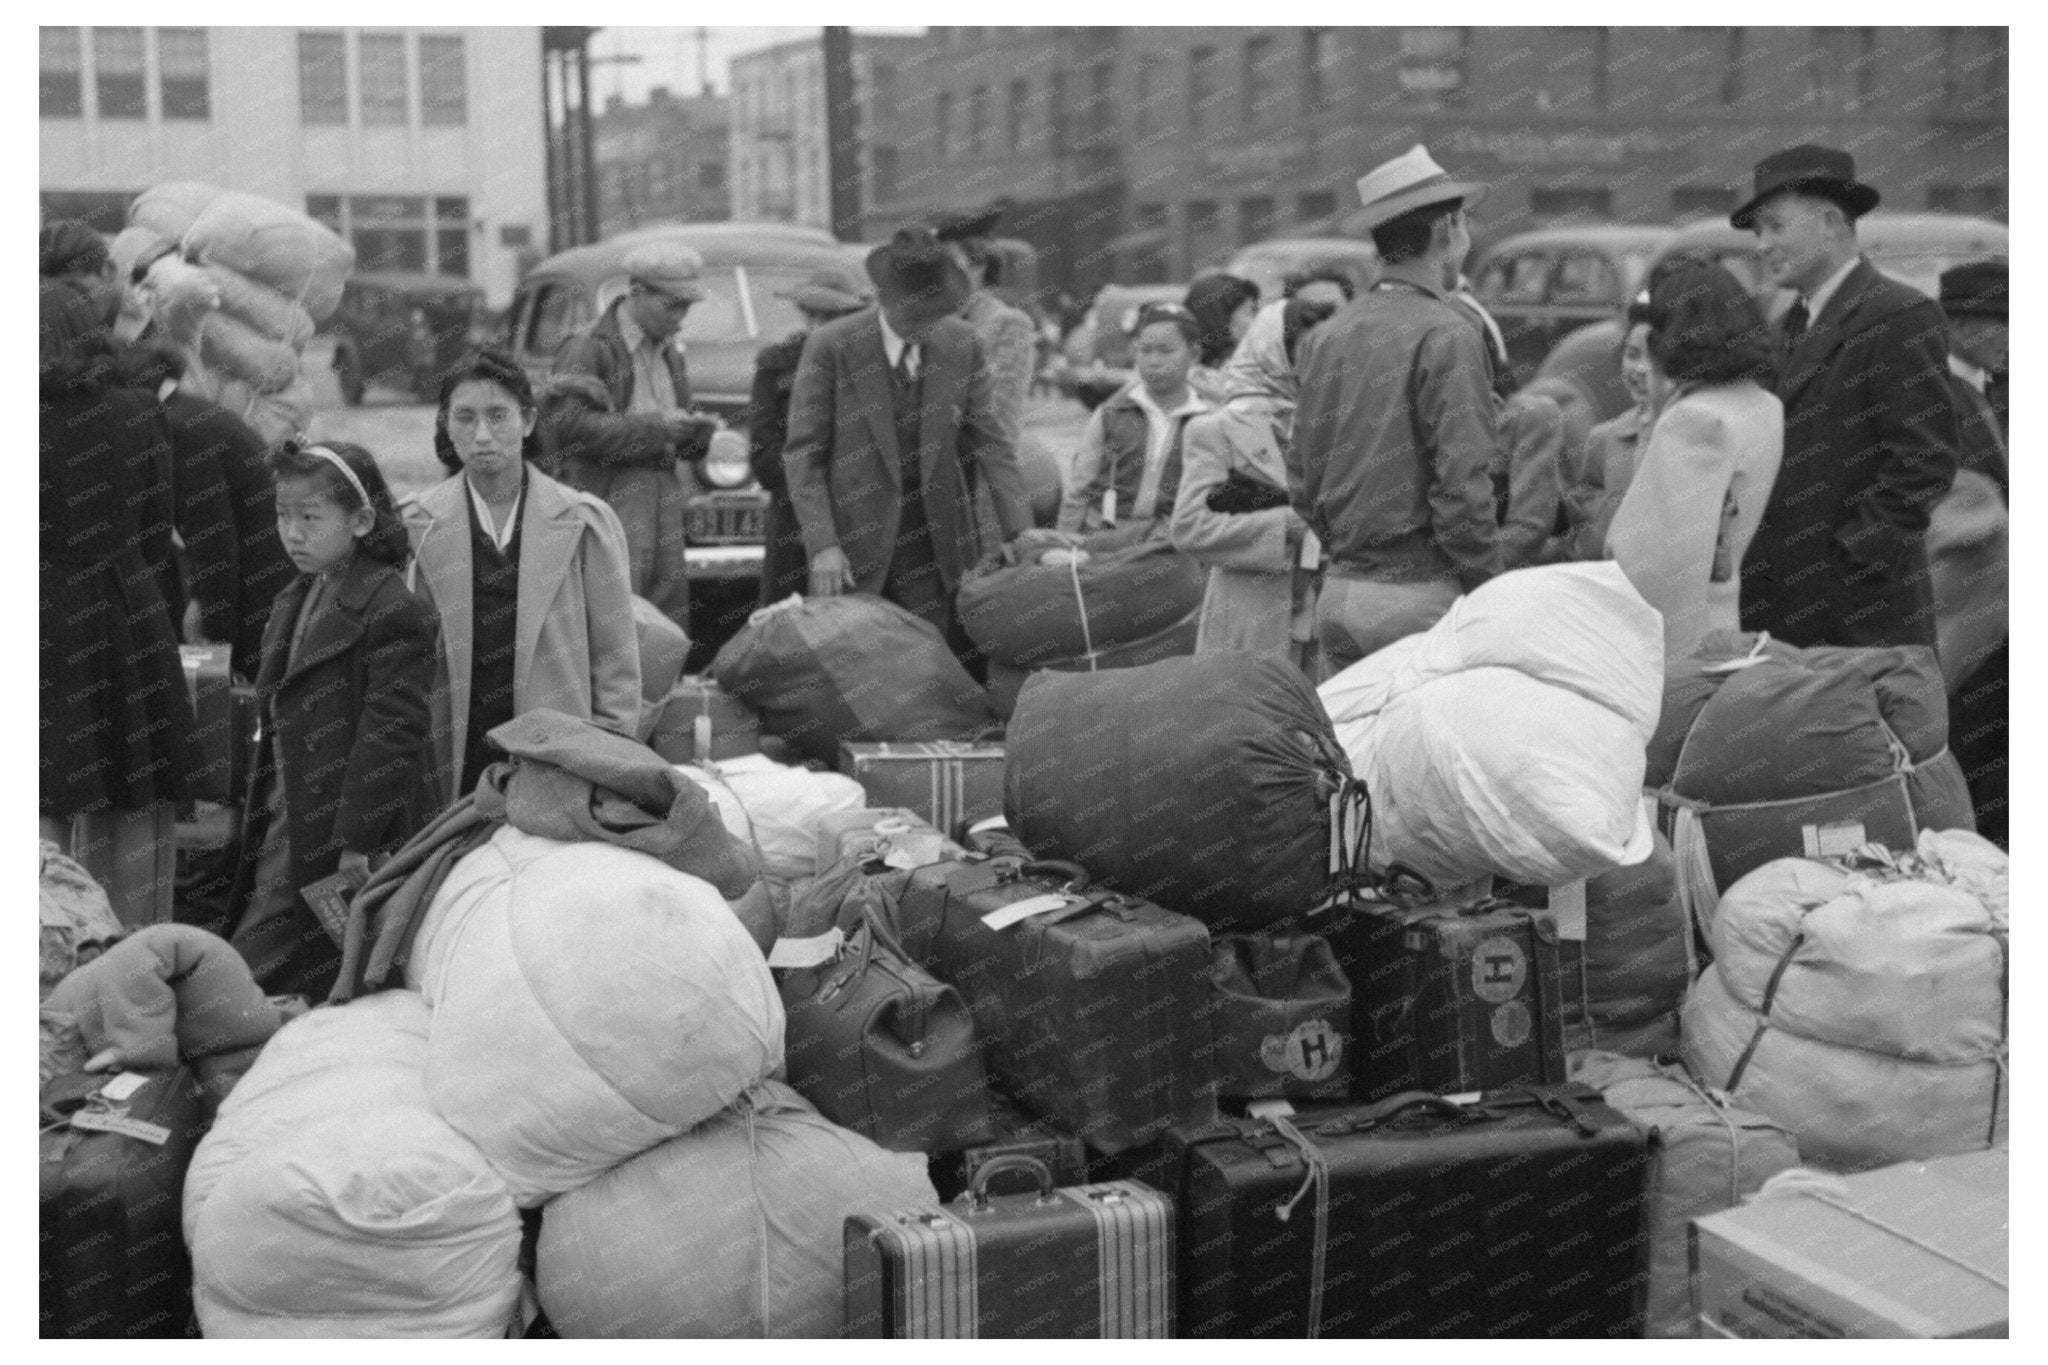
[[721, 318]]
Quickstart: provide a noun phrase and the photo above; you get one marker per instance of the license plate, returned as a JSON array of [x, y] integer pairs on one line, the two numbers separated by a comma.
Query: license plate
[[725, 523]]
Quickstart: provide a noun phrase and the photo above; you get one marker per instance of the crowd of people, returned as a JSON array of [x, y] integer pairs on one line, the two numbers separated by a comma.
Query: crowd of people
[[1343, 467]]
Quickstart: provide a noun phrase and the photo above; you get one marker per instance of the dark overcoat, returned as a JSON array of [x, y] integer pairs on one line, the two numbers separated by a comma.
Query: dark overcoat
[[1870, 447]]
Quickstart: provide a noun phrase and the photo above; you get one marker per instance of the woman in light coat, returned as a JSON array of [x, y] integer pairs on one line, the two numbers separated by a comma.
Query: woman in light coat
[[1707, 466], [1261, 591], [528, 577]]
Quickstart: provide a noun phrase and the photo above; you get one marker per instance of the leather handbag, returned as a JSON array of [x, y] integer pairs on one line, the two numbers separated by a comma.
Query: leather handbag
[[1241, 492], [886, 1049], [1283, 1016]]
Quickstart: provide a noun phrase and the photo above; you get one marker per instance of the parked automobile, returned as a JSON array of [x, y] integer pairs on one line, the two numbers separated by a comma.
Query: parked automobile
[[1543, 284], [400, 330], [1914, 248], [746, 265], [1267, 264]]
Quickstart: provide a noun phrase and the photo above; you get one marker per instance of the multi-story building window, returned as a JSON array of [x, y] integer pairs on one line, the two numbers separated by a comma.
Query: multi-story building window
[[182, 73], [1733, 64], [1205, 87], [63, 73], [444, 81], [380, 65], [1257, 218], [1101, 112], [1322, 66], [323, 78], [1020, 98], [1316, 206], [1205, 230], [942, 124], [1433, 65], [1973, 71], [1264, 81], [1602, 55], [1148, 84], [415, 233], [117, 60], [977, 120]]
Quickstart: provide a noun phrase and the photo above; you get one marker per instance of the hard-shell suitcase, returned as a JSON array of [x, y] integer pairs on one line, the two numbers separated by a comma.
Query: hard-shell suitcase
[[1017, 1134], [1518, 1215], [114, 1153], [1095, 1008], [1090, 1261], [1449, 996]]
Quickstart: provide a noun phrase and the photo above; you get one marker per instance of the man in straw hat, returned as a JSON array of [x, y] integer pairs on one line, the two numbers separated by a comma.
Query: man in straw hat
[[1870, 436], [1395, 432], [892, 424], [831, 291]]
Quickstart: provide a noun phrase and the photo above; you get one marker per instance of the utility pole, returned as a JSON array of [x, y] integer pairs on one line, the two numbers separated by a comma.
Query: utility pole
[[842, 135], [620, 61]]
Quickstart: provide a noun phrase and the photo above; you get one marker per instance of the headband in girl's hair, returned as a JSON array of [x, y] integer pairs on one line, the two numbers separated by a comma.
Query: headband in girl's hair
[[353, 482]]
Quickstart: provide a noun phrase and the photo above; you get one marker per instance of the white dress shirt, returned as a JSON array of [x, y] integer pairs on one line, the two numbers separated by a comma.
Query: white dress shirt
[[1818, 299], [501, 536], [893, 346]]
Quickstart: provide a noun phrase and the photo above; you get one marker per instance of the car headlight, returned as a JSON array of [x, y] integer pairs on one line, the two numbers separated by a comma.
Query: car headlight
[[725, 464]]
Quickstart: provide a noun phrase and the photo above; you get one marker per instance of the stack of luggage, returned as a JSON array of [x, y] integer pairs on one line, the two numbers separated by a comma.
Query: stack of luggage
[[1233, 1009]]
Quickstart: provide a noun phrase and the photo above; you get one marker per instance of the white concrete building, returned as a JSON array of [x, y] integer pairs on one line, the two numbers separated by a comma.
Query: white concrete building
[[423, 146]]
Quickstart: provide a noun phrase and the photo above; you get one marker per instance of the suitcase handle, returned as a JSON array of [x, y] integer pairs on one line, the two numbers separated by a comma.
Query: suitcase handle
[[977, 1190], [1073, 875], [1393, 1107]]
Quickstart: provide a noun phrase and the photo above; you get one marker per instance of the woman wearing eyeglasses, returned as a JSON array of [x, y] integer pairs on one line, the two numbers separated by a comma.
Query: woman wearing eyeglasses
[[528, 576]]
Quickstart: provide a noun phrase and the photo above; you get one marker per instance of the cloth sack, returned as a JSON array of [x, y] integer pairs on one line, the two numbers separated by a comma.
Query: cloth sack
[[1033, 615], [731, 1230], [330, 1200], [1766, 751], [270, 313], [1006, 681], [783, 806], [1205, 784], [824, 671], [1507, 739], [1710, 1155], [589, 1002], [1862, 1002], [264, 240], [1636, 961]]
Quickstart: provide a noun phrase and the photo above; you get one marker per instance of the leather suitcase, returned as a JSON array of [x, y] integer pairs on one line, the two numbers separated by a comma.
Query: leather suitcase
[[1522, 1214], [1094, 1008], [113, 1248], [1086, 1262], [701, 723], [1016, 1134], [1449, 996]]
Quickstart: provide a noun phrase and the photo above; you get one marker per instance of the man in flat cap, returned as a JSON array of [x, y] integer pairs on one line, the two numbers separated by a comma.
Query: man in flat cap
[[1870, 436], [892, 426], [1395, 433], [620, 419], [1009, 340]]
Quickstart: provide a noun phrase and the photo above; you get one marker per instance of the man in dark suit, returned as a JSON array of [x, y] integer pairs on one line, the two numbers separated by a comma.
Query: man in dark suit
[[1870, 435], [892, 425], [1974, 298]]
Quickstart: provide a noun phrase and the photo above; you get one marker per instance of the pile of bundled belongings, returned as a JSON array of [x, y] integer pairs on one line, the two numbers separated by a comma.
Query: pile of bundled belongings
[[1765, 751], [1625, 980], [1127, 603], [1861, 1001], [238, 283]]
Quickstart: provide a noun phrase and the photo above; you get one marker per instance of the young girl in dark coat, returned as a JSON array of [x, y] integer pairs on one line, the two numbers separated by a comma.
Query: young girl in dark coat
[[347, 661]]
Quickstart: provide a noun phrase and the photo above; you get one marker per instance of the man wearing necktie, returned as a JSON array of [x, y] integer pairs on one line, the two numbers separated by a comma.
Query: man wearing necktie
[[1870, 435], [893, 425]]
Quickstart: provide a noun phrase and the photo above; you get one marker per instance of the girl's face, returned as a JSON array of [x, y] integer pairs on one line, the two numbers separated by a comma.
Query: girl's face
[[317, 533], [1162, 357], [487, 427], [1241, 320], [1635, 363]]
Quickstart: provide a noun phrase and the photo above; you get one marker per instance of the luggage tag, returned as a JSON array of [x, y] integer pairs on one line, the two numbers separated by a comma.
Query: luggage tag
[[106, 1111], [803, 954], [1749, 660], [1018, 911], [1568, 906], [1267, 1110]]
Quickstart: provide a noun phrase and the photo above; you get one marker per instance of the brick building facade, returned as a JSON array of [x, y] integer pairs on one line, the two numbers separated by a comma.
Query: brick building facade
[[662, 161], [1148, 153]]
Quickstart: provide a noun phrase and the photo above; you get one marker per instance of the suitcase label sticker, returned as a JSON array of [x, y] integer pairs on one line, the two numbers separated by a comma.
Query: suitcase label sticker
[[1499, 968], [1511, 1024], [1311, 1052]]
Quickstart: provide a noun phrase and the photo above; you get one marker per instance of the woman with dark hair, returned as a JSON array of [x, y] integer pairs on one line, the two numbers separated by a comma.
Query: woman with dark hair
[[1223, 307], [73, 254], [1708, 463], [528, 575], [113, 713], [346, 663]]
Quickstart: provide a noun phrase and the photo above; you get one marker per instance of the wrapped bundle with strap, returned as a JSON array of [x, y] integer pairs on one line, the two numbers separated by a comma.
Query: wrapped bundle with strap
[[823, 671], [1211, 785], [1507, 739], [268, 242], [264, 363], [1624, 983], [1766, 751], [1046, 615], [1861, 1002], [1710, 1155], [269, 313], [589, 1002], [733, 1229], [330, 1200]]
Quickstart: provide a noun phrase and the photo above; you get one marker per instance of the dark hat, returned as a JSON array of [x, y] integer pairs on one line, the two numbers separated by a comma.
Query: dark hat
[[981, 222], [1821, 171], [830, 289], [1976, 290], [914, 271]]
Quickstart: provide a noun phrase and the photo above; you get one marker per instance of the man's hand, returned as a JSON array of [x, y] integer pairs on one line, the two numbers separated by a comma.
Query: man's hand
[[355, 864], [690, 432], [831, 575]]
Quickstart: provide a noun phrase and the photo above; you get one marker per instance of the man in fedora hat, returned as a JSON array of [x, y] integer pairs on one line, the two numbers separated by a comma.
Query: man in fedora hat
[[1870, 436], [831, 291], [1974, 298], [624, 418], [892, 424], [1394, 433]]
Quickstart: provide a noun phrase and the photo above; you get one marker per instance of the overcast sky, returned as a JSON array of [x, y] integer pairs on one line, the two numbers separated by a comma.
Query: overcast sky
[[668, 56]]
